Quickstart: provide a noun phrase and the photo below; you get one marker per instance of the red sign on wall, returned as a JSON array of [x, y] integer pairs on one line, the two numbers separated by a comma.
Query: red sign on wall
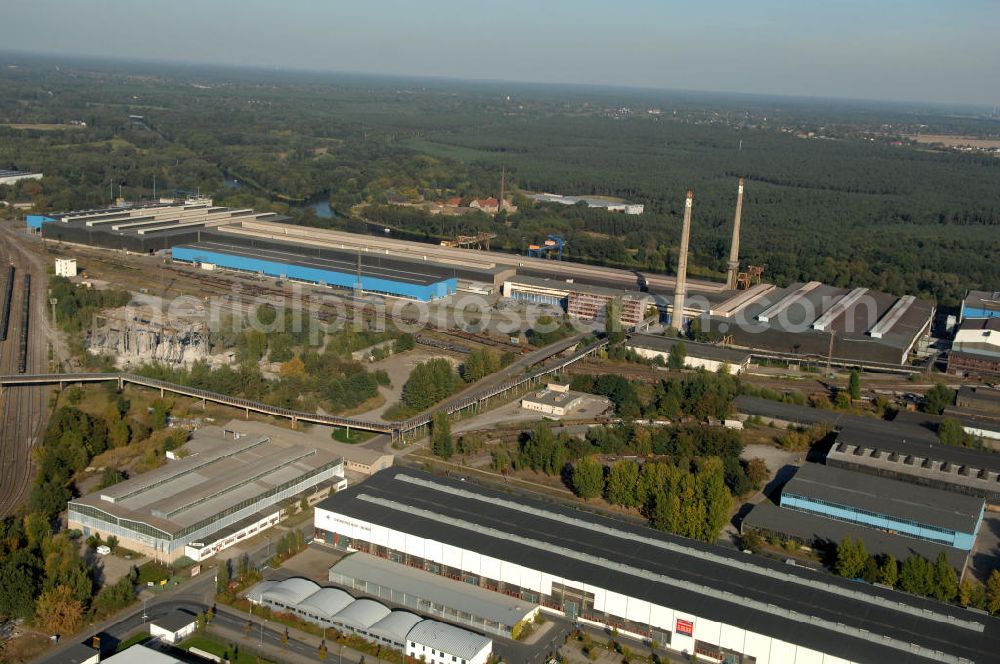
[[685, 627]]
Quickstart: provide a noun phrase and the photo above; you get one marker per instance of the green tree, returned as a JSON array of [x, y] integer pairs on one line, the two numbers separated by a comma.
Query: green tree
[[938, 398], [19, 576], [971, 593], [993, 592], [851, 558], [711, 487], [623, 483], [888, 571], [588, 478], [951, 432], [945, 579], [854, 385], [916, 576], [441, 444], [678, 353]]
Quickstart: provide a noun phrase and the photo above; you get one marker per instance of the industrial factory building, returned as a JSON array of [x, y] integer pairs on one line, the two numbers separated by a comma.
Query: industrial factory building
[[976, 348], [813, 319], [689, 596], [582, 301], [980, 304], [923, 513], [325, 267], [913, 454], [398, 629], [696, 355], [229, 487], [144, 228], [453, 600], [807, 320], [823, 533]]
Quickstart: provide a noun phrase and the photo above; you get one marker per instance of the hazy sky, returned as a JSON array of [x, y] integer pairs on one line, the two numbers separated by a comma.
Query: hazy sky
[[925, 50]]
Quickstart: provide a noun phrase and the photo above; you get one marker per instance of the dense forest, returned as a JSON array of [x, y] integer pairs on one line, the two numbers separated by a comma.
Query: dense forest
[[835, 192]]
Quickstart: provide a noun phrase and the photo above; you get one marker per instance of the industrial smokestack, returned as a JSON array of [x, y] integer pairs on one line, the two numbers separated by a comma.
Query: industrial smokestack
[[734, 250], [677, 319]]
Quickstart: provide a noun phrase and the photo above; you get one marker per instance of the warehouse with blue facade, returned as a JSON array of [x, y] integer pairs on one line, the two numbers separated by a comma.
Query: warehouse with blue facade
[[902, 508], [371, 273]]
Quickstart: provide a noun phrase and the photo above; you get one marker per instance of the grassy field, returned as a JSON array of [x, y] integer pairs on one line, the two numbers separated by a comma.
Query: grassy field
[[356, 436], [953, 141], [216, 647], [42, 126]]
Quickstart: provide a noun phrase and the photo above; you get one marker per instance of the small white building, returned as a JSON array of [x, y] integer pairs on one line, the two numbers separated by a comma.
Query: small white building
[[65, 267], [555, 400], [440, 643], [174, 627]]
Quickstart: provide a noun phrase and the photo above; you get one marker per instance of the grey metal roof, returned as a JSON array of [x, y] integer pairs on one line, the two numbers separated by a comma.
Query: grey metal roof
[[856, 622], [815, 529], [222, 473], [362, 613], [395, 626], [882, 496], [292, 591], [327, 601], [576, 287], [691, 348], [447, 638], [439, 590]]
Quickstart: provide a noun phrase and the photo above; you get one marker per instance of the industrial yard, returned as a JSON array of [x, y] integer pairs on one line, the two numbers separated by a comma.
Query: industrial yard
[[296, 366]]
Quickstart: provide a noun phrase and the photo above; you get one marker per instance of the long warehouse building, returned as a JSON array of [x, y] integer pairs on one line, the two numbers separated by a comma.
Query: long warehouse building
[[371, 273], [689, 596]]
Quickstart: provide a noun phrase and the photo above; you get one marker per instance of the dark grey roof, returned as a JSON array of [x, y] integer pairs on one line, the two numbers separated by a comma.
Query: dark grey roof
[[709, 581], [176, 620], [908, 440], [691, 348], [77, 653], [807, 415], [983, 299], [382, 267], [887, 497], [823, 531], [373, 263], [791, 331]]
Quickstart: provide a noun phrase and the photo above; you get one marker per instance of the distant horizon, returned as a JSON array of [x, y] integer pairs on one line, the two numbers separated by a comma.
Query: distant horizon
[[84, 59], [912, 51]]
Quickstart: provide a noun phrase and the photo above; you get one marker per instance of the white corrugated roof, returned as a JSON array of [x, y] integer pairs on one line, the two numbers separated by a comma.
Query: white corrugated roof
[[447, 638]]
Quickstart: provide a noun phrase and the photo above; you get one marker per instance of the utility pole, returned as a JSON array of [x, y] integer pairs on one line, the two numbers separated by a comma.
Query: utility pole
[[829, 353]]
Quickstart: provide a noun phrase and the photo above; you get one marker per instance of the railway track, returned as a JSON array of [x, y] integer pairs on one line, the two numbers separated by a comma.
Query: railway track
[[23, 412]]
